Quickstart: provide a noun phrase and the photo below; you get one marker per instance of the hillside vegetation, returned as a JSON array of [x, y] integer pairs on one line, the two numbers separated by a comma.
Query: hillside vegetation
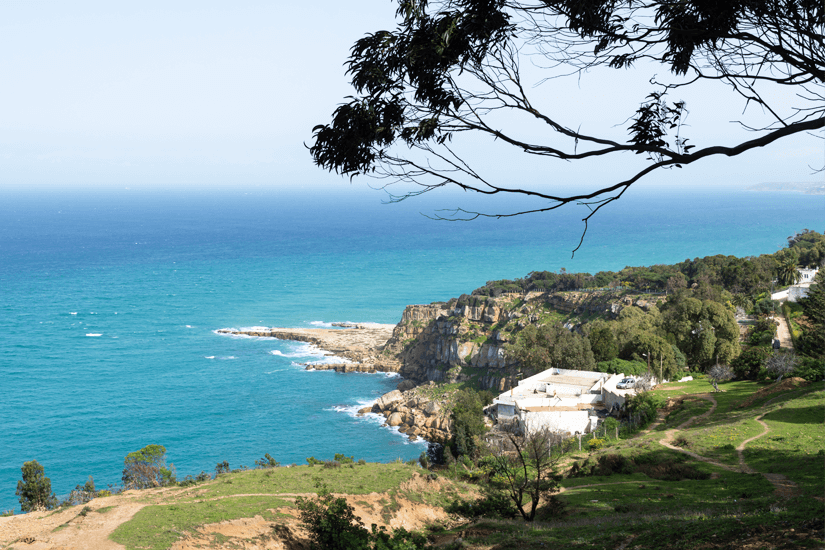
[[741, 468]]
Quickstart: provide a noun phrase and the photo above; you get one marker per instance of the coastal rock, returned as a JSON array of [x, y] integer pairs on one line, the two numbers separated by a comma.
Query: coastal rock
[[431, 408], [405, 385], [395, 419], [386, 401], [365, 410]]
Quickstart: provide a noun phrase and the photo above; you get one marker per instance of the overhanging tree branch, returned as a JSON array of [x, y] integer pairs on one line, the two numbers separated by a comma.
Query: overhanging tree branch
[[454, 66]]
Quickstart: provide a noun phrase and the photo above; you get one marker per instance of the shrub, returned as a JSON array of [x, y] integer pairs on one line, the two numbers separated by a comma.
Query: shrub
[[333, 525], [343, 459], [331, 522], [267, 462], [810, 369], [82, 495], [424, 460], [147, 468], [35, 491], [222, 468], [595, 443], [312, 461], [494, 504]]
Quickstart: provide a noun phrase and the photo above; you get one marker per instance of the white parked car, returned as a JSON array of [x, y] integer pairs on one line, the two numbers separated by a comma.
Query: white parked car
[[626, 384]]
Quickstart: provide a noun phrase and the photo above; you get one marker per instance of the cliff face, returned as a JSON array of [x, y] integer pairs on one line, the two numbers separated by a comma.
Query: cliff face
[[466, 338]]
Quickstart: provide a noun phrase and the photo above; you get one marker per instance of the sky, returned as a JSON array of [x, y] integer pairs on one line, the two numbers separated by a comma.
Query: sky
[[188, 93]]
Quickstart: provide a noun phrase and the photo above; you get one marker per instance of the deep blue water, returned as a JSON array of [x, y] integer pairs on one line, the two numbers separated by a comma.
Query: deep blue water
[[155, 273]]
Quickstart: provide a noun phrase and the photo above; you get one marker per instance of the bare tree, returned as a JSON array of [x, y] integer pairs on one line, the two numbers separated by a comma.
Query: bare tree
[[719, 373], [644, 382], [454, 67], [523, 464], [781, 364]]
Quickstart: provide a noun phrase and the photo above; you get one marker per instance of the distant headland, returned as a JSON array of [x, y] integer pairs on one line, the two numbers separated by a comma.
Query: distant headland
[[806, 188]]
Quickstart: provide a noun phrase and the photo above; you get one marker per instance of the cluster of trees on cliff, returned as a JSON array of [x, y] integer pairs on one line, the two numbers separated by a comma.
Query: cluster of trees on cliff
[[686, 331], [692, 328], [709, 276]]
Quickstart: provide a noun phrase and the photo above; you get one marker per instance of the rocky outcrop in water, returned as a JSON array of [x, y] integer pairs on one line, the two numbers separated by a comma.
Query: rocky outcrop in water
[[415, 414]]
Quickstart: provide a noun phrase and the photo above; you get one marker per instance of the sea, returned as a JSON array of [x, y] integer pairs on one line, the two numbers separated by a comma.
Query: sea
[[110, 299]]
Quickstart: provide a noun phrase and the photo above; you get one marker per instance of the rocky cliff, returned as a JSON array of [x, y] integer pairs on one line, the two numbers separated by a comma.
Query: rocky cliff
[[466, 338]]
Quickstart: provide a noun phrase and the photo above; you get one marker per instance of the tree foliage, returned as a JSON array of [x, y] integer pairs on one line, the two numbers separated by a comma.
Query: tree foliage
[[35, 490], [147, 468], [551, 346], [603, 344], [750, 362], [705, 331], [813, 305], [455, 67], [468, 422]]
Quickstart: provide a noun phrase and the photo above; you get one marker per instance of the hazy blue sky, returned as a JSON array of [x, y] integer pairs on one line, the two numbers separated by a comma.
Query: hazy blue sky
[[226, 93]]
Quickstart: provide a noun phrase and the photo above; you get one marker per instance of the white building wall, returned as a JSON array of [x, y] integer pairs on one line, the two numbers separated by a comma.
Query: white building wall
[[560, 421]]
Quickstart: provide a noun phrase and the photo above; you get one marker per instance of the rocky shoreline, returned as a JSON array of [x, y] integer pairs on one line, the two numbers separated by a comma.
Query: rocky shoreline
[[361, 345], [415, 415]]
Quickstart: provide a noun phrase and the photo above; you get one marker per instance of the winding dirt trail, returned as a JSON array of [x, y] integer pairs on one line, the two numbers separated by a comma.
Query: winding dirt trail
[[783, 487]]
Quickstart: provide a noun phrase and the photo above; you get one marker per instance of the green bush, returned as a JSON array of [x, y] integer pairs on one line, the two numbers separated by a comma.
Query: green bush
[[494, 504], [35, 491], [222, 468], [343, 459], [331, 522], [810, 369], [333, 525], [267, 462]]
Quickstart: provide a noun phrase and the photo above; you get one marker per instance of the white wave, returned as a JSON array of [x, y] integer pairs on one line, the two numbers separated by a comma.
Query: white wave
[[73, 313], [209, 357], [227, 357], [309, 351], [188, 326], [94, 334], [321, 324], [373, 418], [330, 360]]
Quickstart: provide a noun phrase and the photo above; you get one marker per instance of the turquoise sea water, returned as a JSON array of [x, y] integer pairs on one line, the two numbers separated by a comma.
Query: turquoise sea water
[[155, 273]]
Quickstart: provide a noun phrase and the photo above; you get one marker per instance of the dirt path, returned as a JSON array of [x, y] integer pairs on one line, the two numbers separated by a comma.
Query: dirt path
[[783, 333], [784, 487], [68, 529]]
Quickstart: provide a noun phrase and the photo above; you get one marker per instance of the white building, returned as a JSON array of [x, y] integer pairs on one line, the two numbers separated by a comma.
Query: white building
[[794, 292], [563, 400]]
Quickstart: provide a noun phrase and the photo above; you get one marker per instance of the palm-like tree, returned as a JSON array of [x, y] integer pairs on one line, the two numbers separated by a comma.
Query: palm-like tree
[[787, 272]]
